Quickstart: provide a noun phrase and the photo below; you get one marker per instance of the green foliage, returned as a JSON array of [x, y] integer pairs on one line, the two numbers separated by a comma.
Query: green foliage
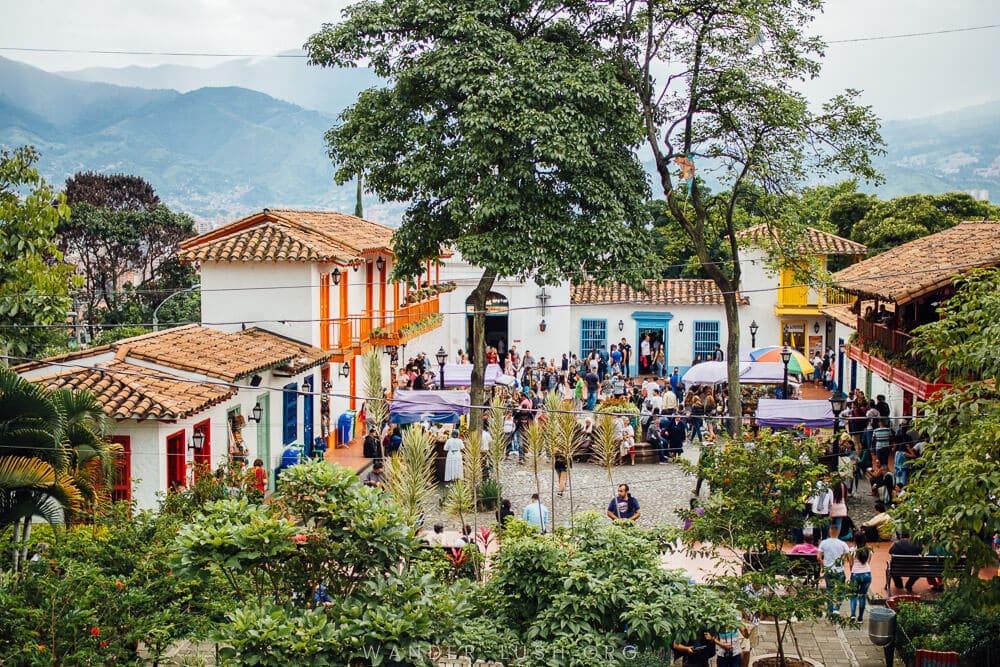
[[118, 229], [376, 409], [704, 95], [384, 608], [892, 223], [109, 576], [109, 336], [409, 475], [490, 492], [34, 280], [758, 489], [950, 624], [951, 496], [571, 597]]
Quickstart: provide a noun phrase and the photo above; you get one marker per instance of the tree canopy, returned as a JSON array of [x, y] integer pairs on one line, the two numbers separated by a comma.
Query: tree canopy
[[951, 498], [504, 128], [34, 281], [897, 221], [715, 83], [121, 237]]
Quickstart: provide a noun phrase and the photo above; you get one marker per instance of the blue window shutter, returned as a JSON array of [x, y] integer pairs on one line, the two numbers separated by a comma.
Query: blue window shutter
[[706, 337], [290, 413], [593, 335]]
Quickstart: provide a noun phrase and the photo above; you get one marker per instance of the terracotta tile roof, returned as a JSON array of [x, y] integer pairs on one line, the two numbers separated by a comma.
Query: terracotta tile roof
[[129, 390], [133, 392], [913, 269], [658, 292], [842, 314], [304, 356], [817, 242], [207, 351], [285, 235]]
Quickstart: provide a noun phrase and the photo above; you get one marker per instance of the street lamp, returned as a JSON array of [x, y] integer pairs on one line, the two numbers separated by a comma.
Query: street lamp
[[621, 325], [786, 356], [442, 356], [156, 323], [197, 439], [256, 413], [754, 328], [345, 370], [380, 264], [837, 401]]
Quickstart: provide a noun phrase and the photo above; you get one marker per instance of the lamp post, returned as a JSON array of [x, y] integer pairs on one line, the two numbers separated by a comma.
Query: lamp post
[[786, 356], [837, 401], [754, 328], [840, 366], [442, 356], [156, 322]]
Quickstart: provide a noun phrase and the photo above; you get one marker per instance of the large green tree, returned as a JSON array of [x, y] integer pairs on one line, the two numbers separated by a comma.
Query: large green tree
[[951, 499], [34, 281], [122, 240], [888, 224], [504, 128], [715, 82]]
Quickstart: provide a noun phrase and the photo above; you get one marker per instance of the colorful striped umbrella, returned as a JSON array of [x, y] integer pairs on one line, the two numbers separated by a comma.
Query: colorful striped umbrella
[[797, 364]]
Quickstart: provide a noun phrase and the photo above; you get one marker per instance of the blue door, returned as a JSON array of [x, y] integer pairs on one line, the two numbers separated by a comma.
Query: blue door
[[307, 414]]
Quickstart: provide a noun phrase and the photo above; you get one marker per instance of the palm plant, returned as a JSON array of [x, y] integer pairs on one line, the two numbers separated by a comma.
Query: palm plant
[[606, 445], [376, 409], [565, 439], [409, 475], [535, 444], [55, 458]]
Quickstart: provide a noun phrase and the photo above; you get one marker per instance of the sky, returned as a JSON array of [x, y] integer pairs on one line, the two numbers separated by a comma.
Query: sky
[[901, 78]]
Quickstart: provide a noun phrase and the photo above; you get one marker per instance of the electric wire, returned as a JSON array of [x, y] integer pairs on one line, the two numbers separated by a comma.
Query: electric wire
[[362, 316], [302, 56]]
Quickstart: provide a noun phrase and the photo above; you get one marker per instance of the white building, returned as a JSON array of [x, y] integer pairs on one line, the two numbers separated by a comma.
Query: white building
[[189, 395]]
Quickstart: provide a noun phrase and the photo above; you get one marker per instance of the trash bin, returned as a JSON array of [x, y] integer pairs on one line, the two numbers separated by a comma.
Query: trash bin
[[290, 456], [881, 625], [345, 427]]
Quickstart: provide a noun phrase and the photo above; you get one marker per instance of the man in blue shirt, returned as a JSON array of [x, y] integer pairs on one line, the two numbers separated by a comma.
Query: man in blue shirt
[[624, 506], [536, 513]]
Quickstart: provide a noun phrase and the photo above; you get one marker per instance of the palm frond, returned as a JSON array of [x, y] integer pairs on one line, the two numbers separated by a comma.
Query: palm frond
[[25, 472], [14, 507]]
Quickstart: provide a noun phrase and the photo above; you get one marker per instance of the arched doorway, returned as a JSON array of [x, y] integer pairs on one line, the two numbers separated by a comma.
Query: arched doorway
[[497, 316]]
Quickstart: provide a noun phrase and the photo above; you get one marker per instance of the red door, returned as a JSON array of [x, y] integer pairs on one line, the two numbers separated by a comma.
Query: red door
[[203, 456], [121, 484], [176, 463]]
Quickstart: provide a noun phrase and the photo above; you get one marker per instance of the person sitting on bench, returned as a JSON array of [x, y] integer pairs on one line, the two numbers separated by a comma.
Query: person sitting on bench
[[904, 547]]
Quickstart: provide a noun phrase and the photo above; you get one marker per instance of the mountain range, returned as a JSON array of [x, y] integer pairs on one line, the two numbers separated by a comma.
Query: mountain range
[[223, 141]]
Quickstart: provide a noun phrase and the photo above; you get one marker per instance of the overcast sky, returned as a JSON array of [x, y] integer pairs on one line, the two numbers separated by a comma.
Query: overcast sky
[[901, 77]]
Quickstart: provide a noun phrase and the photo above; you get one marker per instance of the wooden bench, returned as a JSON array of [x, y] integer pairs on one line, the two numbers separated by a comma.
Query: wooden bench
[[806, 566], [915, 567]]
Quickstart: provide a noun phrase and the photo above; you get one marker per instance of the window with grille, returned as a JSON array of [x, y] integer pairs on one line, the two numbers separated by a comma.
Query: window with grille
[[593, 336], [706, 337]]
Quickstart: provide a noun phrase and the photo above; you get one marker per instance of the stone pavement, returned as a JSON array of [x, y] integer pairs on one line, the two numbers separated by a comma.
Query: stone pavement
[[660, 490], [828, 644]]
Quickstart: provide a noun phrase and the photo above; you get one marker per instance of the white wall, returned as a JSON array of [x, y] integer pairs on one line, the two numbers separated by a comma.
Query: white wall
[[879, 385], [680, 344], [524, 317], [291, 294], [148, 438]]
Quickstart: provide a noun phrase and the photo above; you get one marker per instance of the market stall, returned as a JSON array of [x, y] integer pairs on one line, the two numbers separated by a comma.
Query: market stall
[[777, 413]]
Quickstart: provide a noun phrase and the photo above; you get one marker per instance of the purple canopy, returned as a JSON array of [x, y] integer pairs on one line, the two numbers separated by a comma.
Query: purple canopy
[[778, 413], [441, 407], [460, 375]]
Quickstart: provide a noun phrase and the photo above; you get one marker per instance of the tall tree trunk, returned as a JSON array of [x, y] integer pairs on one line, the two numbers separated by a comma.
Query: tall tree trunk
[[358, 209], [732, 306], [25, 536], [479, 348]]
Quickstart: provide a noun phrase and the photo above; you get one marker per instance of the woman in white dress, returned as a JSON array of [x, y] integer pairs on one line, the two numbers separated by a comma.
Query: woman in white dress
[[453, 462]]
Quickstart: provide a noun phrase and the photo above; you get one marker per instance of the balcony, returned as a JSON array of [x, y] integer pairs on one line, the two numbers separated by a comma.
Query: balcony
[[893, 341], [805, 300]]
